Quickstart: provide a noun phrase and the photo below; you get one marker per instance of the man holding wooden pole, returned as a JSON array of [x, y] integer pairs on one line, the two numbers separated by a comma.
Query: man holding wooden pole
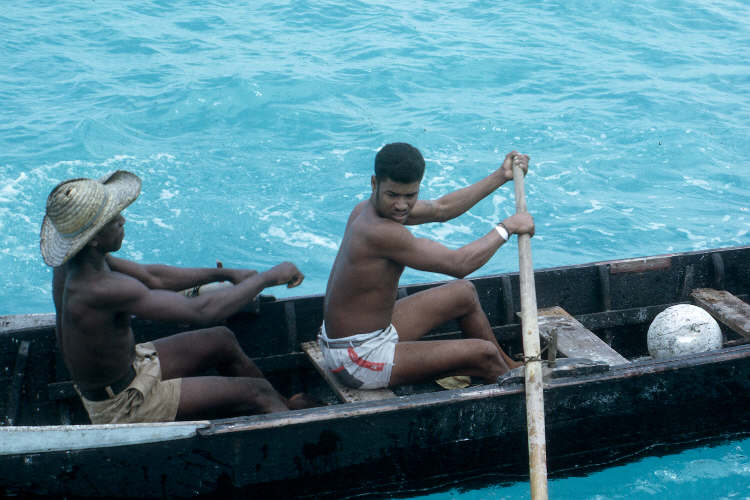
[[370, 338]]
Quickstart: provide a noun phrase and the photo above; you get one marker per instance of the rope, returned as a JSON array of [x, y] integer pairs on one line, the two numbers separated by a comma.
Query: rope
[[529, 359]]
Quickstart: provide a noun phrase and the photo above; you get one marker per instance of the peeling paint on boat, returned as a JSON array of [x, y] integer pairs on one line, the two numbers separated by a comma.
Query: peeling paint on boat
[[34, 439]]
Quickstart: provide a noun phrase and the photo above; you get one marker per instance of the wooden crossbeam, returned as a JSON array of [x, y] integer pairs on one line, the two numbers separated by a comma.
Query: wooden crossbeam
[[344, 393], [725, 307], [573, 339]]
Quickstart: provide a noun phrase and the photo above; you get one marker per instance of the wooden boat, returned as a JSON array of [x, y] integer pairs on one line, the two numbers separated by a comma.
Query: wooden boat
[[618, 403]]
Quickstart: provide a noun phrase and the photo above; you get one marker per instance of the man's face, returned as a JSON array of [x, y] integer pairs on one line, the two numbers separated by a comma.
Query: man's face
[[109, 238], [394, 200]]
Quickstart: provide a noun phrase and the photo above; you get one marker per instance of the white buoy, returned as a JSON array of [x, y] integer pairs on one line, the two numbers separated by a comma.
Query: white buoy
[[683, 329]]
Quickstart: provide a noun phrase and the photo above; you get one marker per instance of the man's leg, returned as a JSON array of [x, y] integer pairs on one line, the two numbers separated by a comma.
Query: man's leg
[[417, 361], [241, 390], [191, 353], [215, 397], [417, 314]]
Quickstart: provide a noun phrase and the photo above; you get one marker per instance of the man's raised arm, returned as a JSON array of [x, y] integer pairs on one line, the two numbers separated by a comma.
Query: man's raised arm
[[133, 296], [398, 244], [453, 204], [163, 277]]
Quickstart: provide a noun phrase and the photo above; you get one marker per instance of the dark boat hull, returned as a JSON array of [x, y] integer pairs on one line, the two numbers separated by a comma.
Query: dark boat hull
[[362, 447], [425, 438]]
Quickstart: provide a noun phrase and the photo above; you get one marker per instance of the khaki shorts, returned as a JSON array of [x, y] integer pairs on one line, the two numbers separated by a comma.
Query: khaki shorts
[[148, 398]]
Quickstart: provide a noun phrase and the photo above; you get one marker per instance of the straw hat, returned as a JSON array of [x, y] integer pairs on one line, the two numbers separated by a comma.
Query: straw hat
[[78, 208]]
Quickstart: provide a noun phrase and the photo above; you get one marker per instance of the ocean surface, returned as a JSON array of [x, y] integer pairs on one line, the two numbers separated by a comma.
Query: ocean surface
[[254, 126], [719, 471]]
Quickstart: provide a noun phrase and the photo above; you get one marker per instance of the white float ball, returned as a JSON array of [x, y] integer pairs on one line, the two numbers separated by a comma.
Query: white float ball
[[683, 329]]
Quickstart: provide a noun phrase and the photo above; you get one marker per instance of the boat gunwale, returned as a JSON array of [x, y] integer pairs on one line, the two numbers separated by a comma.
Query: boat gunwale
[[439, 398], [356, 409], [47, 320], [296, 418]]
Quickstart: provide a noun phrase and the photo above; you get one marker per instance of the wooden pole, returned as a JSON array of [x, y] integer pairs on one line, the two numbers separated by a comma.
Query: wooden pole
[[532, 355]]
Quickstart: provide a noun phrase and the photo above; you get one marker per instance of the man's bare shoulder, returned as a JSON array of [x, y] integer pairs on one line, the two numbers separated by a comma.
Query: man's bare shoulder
[[378, 232], [357, 210], [104, 288]]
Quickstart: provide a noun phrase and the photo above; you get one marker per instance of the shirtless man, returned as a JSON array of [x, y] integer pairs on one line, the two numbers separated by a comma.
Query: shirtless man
[[96, 294], [369, 339]]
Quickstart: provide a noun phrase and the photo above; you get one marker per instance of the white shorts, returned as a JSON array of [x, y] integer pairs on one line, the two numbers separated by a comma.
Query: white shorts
[[362, 361]]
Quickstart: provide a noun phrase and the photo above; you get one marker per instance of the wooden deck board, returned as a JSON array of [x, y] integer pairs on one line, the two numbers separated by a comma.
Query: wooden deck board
[[345, 394], [573, 339], [725, 307]]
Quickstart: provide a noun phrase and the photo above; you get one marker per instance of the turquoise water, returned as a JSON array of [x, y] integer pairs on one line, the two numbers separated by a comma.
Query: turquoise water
[[716, 472], [254, 125]]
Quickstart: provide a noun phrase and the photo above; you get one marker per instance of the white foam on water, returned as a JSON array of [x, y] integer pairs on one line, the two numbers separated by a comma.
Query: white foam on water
[[690, 235], [556, 176], [167, 194], [602, 231], [159, 222], [443, 232], [267, 215], [117, 159], [303, 239], [701, 183], [9, 192], [445, 183], [136, 255], [595, 205]]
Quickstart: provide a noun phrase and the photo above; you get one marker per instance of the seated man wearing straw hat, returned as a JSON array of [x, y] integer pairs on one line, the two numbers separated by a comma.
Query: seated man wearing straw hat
[[369, 337], [96, 294]]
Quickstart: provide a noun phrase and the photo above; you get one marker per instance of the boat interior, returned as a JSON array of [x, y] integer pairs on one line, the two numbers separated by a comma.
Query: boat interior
[[600, 313]]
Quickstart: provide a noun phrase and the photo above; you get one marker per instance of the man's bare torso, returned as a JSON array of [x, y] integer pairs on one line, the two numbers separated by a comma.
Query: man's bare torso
[[96, 341], [363, 285]]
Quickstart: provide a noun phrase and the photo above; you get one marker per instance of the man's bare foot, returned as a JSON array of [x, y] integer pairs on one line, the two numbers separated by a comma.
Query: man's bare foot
[[301, 401]]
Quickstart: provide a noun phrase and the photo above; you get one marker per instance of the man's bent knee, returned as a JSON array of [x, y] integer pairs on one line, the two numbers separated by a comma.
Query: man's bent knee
[[467, 294], [224, 337], [223, 333]]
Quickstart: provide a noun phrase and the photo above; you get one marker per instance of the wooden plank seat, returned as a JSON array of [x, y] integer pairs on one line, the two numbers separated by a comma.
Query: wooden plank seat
[[344, 393], [573, 339], [725, 307]]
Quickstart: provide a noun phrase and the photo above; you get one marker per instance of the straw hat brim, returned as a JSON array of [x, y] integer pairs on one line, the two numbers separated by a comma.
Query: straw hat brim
[[123, 187]]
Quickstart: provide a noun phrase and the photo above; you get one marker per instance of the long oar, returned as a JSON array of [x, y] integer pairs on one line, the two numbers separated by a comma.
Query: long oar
[[533, 370]]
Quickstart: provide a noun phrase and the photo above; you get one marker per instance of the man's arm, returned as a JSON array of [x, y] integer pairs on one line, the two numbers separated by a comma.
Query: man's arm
[[398, 244], [162, 277], [127, 294], [453, 204]]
